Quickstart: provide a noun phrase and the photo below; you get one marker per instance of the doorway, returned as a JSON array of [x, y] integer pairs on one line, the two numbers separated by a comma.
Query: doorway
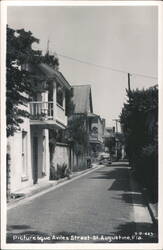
[[35, 159]]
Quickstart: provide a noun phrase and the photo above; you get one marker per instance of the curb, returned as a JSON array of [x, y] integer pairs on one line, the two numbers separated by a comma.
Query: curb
[[33, 192], [74, 174], [49, 185], [151, 210]]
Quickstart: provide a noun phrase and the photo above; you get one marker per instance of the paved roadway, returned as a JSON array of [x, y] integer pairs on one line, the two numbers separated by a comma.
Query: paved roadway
[[97, 206]]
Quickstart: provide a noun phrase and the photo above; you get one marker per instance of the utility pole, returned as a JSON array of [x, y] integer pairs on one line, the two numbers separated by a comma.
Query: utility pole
[[48, 47], [129, 88], [116, 142]]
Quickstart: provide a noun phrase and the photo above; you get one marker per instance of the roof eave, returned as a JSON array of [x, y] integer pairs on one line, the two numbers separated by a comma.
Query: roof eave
[[63, 81], [51, 74]]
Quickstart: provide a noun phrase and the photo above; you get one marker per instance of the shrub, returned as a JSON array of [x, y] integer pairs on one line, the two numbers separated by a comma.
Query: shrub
[[149, 163], [53, 173], [67, 171], [62, 170]]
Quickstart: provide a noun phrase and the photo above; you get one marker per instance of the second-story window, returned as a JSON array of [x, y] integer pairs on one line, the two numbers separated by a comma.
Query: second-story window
[[60, 95]]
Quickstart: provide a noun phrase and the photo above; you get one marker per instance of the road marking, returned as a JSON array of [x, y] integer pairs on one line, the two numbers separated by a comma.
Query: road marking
[[27, 199]]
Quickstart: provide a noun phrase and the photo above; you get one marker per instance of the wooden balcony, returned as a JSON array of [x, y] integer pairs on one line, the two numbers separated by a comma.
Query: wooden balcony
[[47, 114]]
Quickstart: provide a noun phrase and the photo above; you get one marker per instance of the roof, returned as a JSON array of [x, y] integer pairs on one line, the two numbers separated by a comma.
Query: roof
[[82, 99], [92, 115], [46, 72]]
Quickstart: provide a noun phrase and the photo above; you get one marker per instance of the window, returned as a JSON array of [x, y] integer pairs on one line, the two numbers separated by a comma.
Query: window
[[24, 156], [59, 95]]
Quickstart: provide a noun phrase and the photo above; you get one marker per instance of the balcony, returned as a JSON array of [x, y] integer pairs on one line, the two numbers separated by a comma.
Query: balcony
[[47, 114]]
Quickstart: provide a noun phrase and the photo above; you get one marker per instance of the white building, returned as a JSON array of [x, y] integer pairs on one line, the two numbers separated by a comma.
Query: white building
[[29, 147]]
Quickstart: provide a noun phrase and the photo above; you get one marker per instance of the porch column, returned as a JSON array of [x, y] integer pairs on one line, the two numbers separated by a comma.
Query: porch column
[[54, 100], [44, 97]]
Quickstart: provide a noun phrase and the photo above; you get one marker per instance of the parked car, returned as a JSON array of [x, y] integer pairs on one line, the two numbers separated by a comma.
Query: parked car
[[105, 159]]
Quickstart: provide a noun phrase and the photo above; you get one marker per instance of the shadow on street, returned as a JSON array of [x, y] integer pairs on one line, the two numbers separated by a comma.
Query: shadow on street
[[119, 175], [128, 198], [116, 164]]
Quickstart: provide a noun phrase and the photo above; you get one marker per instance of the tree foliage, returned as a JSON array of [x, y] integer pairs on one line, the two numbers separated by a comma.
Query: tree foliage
[[77, 134], [19, 79], [139, 119], [19, 52], [51, 60]]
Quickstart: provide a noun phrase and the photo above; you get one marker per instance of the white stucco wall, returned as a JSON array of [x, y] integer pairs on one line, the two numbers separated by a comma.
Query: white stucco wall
[[16, 172], [17, 183], [61, 155]]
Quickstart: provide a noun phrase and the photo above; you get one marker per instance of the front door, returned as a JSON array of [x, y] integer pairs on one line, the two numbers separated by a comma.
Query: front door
[[35, 159]]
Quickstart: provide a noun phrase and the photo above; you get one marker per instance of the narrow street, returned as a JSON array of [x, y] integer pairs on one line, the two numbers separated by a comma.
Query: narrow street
[[96, 205]]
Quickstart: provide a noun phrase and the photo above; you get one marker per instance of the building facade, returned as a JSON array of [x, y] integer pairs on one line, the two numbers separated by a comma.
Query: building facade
[[29, 150], [96, 135], [95, 126]]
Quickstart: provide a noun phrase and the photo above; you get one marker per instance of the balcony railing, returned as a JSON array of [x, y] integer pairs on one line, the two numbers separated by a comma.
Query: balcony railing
[[41, 111], [45, 111]]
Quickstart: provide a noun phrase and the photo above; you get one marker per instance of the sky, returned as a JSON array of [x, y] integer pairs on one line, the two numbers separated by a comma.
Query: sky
[[118, 37]]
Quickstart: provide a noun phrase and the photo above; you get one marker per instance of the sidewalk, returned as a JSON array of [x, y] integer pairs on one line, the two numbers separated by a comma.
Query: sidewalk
[[43, 186], [140, 202], [152, 207]]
